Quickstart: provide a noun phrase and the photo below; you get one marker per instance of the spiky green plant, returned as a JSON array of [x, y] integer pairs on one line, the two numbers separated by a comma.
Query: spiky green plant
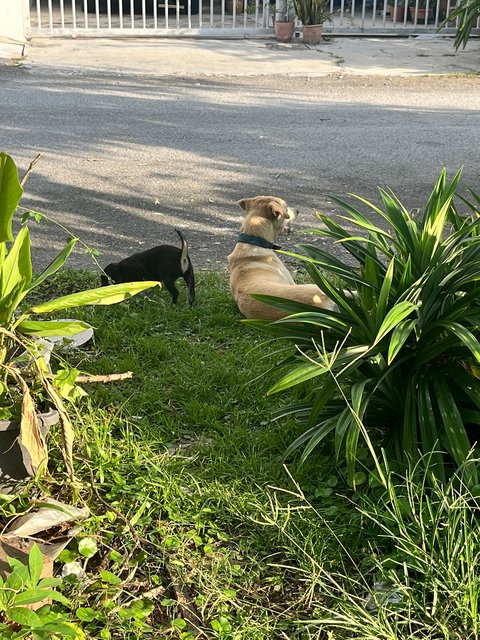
[[467, 14], [401, 354], [311, 12]]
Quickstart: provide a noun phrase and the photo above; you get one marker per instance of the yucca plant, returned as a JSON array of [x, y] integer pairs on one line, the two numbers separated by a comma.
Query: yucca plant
[[311, 12], [467, 13], [400, 357]]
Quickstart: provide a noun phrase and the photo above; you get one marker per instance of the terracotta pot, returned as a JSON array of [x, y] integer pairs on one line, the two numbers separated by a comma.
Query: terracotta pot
[[239, 6], [397, 15], [420, 14], [284, 30], [312, 33]]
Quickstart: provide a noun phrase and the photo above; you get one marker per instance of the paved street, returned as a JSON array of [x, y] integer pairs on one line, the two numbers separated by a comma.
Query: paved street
[[129, 155]]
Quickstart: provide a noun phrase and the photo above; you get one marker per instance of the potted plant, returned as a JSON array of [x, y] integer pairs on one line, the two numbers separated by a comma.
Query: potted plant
[[27, 387], [312, 14], [229, 4], [418, 11], [397, 11], [283, 20]]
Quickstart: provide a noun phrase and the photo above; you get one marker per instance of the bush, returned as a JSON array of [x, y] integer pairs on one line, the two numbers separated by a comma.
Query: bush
[[26, 382], [401, 354], [420, 575]]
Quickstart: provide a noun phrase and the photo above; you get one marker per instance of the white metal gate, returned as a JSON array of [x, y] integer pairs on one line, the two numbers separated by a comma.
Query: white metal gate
[[149, 17], [225, 17]]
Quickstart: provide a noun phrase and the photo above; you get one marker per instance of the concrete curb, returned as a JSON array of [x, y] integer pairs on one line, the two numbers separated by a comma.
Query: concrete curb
[[421, 55]]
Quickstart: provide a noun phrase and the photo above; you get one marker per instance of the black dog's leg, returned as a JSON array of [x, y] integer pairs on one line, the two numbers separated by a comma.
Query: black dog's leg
[[170, 285]]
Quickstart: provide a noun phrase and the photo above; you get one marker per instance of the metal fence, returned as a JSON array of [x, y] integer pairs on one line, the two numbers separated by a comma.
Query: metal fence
[[226, 17]]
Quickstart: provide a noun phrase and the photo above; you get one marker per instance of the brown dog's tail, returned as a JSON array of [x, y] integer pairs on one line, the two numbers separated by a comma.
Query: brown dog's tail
[[184, 256]]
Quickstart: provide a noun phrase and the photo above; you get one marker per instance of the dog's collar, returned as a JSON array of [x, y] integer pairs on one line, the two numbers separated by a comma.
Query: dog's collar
[[258, 241]]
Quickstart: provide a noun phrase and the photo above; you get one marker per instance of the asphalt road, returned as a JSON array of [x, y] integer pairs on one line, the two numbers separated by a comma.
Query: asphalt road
[[127, 158]]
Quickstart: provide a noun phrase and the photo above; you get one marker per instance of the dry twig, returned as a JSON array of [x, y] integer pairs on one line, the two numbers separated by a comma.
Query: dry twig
[[105, 378], [30, 169]]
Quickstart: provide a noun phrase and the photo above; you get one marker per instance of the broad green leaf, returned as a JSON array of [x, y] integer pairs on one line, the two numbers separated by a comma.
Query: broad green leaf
[[3, 252], [409, 431], [456, 436], [62, 630], [317, 433], [87, 614], [10, 194], [358, 396], [399, 337], [364, 223], [355, 247], [110, 577], [17, 267], [351, 442], [20, 572], [358, 407], [323, 395], [49, 583], [48, 328], [321, 319], [17, 580], [298, 375], [9, 304], [31, 596], [466, 337], [428, 428], [56, 264], [321, 433], [401, 221], [383, 297], [35, 564], [101, 296], [32, 215], [398, 313], [87, 547], [57, 597], [407, 278], [330, 263], [23, 616], [344, 420], [292, 306], [343, 300], [367, 295]]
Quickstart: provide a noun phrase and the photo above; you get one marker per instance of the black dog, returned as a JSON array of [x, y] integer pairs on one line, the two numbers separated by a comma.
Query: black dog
[[165, 263]]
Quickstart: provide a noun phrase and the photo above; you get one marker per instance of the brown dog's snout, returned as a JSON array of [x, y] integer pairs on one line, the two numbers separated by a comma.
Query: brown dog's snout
[[292, 214]]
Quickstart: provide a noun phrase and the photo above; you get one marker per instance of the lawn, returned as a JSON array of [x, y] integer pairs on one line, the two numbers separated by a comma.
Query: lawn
[[203, 520], [195, 512], [200, 527]]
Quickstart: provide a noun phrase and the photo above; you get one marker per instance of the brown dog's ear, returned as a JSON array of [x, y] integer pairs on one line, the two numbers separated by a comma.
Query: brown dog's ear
[[244, 203], [277, 210]]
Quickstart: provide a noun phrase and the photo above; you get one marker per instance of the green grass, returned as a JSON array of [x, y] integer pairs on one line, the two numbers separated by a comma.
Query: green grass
[[196, 519], [186, 451]]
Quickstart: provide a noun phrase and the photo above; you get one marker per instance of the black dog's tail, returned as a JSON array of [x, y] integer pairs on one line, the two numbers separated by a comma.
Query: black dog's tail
[[187, 269], [184, 263]]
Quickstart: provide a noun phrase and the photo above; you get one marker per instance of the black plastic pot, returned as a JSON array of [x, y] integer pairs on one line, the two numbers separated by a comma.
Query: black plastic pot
[[15, 463]]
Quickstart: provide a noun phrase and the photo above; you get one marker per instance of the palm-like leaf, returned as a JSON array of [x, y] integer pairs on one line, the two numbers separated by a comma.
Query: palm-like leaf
[[466, 12], [404, 349]]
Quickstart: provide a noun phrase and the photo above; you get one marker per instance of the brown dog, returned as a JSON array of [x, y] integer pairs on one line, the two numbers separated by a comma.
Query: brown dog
[[256, 268]]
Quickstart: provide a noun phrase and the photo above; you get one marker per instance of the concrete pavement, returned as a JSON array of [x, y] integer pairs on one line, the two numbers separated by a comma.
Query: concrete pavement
[[416, 56]]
